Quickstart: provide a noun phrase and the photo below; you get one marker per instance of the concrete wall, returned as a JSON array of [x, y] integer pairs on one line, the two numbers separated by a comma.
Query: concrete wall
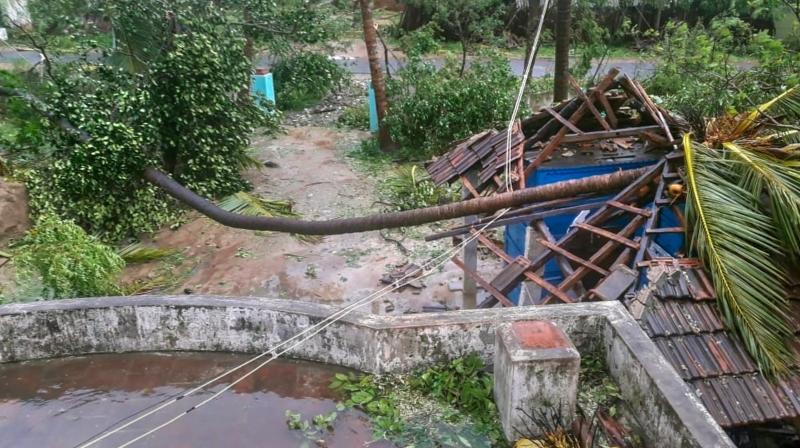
[[672, 415]]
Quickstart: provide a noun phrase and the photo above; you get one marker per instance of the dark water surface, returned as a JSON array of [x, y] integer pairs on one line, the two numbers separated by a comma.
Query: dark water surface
[[62, 402]]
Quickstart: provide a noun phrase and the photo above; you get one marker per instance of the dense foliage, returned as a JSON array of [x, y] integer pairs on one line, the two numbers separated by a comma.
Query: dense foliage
[[303, 79], [448, 404], [430, 108], [701, 73], [410, 187], [180, 103], [68, 262]]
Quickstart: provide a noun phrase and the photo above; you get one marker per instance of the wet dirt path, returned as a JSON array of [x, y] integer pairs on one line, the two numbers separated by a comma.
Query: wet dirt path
[[314, 172]]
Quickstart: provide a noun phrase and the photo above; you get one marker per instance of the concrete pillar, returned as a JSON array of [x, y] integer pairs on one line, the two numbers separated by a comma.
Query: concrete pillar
[[536, 370]]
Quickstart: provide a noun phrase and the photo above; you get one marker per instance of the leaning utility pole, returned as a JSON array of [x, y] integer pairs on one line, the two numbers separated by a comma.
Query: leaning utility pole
[[378, 82], [563, 37]]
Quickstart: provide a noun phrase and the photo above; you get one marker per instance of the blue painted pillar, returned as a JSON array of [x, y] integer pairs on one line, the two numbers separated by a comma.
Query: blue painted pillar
[[262, 86], [373, 110]]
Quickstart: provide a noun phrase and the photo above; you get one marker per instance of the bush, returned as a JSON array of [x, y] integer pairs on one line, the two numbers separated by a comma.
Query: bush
[[303, 79], [700, 74], [431, 108], [355, 117], [69, 262], [410, 187], [421, 41]]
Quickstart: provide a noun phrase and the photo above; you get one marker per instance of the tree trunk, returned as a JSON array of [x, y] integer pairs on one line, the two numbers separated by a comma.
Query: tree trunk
[[558, 190], [562, 38], [463, 59], [378, 82], [530, 27], [657, 19]]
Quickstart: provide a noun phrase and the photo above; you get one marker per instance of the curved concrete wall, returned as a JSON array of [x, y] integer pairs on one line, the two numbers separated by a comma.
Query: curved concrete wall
[[673, 416]]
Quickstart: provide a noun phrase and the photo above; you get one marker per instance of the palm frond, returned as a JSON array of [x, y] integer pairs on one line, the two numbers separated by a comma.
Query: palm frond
[[736, 242], [253, 205], [787, 104], [758, 173], [139, 253]]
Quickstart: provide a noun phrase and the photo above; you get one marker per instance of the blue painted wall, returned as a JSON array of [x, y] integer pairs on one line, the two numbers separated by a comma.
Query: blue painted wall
[[262, 86], [559, 225]]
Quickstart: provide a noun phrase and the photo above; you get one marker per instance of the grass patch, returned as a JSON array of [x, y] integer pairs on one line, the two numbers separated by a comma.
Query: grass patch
[[448, 404]]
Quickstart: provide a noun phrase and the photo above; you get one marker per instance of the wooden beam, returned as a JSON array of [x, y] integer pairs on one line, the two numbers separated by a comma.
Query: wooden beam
[[601, 254], [629, 208], [555, 141], [484, 284], [612, 117], [614, 133], [573, 257], [563, 120], [589, 101], [608, 235]]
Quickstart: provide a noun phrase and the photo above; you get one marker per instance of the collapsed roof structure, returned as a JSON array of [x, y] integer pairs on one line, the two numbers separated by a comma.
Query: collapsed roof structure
[[630, 246]]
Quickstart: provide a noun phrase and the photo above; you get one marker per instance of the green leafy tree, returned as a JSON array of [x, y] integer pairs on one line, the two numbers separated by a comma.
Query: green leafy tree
[[176, 104], [68, 262], [431, 108], [471, 21]]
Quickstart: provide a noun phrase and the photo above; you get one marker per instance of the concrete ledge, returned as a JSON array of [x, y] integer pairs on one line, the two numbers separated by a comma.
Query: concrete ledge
[[673, 416]]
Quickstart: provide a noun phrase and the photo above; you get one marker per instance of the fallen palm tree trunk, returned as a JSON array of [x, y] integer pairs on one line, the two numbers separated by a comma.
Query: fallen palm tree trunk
[[566, 189]]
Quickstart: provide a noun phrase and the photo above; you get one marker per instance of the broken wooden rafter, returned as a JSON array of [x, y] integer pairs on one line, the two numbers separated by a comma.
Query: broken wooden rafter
[[555, 141]]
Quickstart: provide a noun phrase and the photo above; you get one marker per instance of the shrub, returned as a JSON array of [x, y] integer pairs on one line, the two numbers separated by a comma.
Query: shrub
[[69, 262], [421, 41], [303, 79], [700, 75], [355, 117], [410, 187], [431, 108]]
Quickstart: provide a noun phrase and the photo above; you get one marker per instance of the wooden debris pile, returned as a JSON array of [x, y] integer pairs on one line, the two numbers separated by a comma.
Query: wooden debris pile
[[614, 118], [612, 243]]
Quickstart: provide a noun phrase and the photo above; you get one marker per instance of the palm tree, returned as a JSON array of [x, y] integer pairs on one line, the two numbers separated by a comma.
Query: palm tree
[[562, 38], [744, 201], [378, 82]]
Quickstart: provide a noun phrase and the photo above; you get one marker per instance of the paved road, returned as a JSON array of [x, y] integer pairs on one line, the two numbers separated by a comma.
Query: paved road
[[542, 66], [360, 65]]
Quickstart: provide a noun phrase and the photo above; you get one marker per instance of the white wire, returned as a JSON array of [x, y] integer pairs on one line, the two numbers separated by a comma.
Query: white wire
[[310, 332], [314, 330], [521, 93]]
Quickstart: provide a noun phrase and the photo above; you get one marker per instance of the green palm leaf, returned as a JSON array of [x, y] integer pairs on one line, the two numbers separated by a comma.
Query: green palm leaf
[[737, 242], [252, 205], [784, 105], [139, 253], [760, 173]]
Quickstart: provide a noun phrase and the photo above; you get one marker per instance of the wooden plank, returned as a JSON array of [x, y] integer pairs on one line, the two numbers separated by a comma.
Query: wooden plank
[[589, 101], [601, 254], [614, 133], [529, 273], [627, 194], [629, 208], [612, 117], [563, 120], [608, 235], [571, 256], [484, 284], [663, 230], [531, 216], [555, 141], [468, 185]]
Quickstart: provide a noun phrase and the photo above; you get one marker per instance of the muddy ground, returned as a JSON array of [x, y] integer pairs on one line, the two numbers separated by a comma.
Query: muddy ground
[[316, 174]]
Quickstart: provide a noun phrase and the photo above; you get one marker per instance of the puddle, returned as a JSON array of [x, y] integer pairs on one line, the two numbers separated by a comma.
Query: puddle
[[62, 402]]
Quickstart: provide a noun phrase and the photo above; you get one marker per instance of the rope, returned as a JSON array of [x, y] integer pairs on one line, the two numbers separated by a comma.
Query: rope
[[520, 94], [303, 337], [312, 331]]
